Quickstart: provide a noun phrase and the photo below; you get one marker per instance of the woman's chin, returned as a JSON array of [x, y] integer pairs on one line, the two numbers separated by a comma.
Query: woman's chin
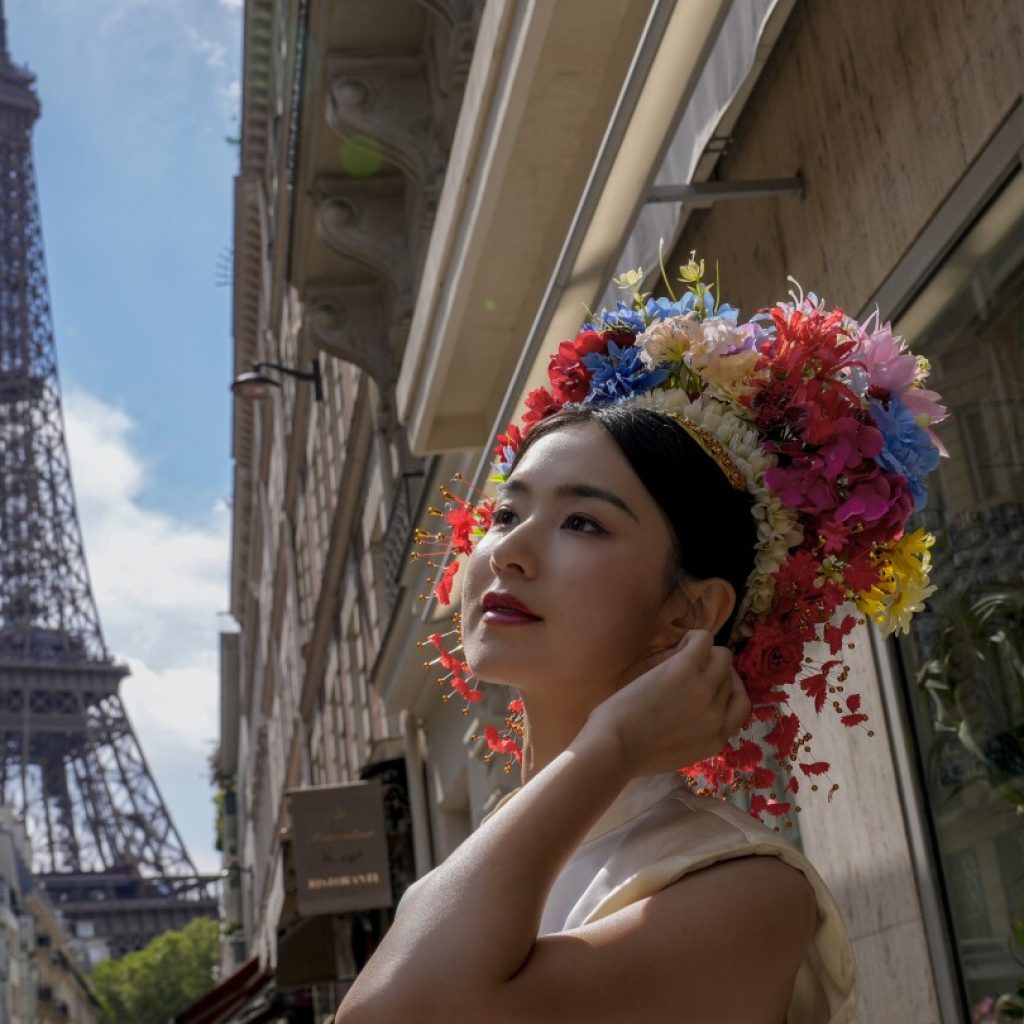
[[501, 669]]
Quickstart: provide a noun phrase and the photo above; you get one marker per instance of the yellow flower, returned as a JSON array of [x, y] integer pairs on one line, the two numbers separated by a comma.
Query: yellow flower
[[692, 271], [629, 279], [903, 584]]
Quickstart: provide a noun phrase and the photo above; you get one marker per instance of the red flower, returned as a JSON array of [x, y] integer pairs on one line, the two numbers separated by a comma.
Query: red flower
[[462, 519], [760, 804], [801, 394], [443, 590], [500, 744], [570, 379], [485, 513], [815, 768], [512, 438], [783, 737], [452, 664], [816, 687], [540, 404], [462, 687], [744, 758], [861, 573], [770, 658]]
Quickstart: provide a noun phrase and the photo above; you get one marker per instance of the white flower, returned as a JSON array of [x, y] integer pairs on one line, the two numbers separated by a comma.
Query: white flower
[[666, 340]]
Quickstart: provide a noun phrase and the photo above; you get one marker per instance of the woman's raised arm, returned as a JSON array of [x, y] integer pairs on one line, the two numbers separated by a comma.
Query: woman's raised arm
[[465, 945]]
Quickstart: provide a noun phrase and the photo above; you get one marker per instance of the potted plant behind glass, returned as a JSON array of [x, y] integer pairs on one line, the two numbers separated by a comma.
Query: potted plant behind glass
[[975, 680]]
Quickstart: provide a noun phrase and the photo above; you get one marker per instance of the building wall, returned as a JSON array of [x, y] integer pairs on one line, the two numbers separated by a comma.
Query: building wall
[[42, 968], [881, 107], [317, 482]]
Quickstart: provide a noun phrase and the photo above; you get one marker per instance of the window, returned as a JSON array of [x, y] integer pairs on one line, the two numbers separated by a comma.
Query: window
[[963, 664]]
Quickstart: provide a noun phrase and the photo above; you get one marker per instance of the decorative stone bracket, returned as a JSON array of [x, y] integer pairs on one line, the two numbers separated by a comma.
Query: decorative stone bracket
[[365, 220], [349, 323], [388, 99]]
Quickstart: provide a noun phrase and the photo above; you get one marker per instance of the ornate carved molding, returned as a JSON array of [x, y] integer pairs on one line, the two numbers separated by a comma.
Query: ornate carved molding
[[366, 221], [349, 323], [388, 100], [458, 38]]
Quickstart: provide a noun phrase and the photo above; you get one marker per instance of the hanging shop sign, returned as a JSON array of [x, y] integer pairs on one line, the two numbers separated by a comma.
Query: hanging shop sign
[[340, 848]]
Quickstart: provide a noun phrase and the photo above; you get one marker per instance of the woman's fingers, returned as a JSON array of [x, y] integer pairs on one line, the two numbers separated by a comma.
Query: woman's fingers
[[738, 708]]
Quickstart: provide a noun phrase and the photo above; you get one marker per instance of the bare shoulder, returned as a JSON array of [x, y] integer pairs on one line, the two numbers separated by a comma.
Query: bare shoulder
[[723, 943]]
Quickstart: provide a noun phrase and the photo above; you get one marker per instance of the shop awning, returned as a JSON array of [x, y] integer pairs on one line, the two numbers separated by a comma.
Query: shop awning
[[222, 1002]]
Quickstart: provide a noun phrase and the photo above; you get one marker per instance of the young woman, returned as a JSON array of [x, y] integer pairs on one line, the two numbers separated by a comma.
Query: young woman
[[681, 525], [603, 890]]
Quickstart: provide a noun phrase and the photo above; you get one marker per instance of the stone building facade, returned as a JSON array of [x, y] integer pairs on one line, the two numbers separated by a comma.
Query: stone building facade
[[42, 965], [430, 193]]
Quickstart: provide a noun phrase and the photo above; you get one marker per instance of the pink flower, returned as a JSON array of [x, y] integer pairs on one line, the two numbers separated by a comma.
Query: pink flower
[[886, 362], [804, 485], [878, 503], [851, 442], [927, 409]]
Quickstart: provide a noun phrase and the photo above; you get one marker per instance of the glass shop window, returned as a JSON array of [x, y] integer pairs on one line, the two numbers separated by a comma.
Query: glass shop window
[[964, 660]]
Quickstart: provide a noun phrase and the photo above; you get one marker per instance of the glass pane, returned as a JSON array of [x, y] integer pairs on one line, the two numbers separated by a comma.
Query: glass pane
[[964, 660]]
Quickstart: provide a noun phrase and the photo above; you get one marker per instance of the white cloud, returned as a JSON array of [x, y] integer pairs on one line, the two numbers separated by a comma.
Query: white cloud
[[159, 583], [235, 5], [215, 53]]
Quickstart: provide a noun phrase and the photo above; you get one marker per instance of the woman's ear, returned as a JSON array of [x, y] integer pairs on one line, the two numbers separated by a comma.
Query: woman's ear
[[700, 604], [711, 603]]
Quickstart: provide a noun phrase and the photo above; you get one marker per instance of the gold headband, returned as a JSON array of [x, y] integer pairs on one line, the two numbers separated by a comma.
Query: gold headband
[[714, 449]]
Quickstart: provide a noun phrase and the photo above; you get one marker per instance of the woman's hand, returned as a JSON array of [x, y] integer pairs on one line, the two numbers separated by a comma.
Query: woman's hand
[[680, 711]]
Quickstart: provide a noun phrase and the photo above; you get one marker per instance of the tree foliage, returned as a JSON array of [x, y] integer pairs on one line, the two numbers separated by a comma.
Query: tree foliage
[[153, 984]]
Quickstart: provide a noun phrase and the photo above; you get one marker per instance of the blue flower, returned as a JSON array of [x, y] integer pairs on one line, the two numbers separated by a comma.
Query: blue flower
[[622, 318], [619, 374], [907, 449], [502, 466], [662, 309], [627, 318]]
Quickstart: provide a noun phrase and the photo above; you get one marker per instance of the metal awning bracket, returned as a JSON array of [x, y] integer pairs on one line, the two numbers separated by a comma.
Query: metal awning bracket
[[707, 193]]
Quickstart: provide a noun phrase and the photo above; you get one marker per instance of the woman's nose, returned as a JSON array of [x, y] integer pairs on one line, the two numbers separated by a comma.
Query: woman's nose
[[514, 553]]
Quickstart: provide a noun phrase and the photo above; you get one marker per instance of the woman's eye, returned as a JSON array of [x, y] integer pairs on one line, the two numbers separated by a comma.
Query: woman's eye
[[502, 516], [582, 524]]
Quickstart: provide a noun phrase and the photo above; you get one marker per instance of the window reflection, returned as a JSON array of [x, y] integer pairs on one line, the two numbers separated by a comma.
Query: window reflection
[[964, 661]]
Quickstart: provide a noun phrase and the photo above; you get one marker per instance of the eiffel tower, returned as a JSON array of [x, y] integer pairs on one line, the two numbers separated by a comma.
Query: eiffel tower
[[103, 843]]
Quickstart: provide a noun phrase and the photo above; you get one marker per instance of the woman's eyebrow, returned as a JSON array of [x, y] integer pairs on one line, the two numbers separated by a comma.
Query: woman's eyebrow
[[515, 486]]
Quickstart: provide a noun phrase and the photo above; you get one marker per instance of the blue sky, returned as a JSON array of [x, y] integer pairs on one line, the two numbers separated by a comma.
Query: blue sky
[[135, 182]]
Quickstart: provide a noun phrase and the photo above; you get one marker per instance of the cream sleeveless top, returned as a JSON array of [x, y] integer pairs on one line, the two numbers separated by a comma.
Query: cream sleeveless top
[[655, 832]]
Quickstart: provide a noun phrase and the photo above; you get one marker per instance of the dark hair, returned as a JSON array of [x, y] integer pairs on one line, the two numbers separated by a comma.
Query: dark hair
[[713, 530]]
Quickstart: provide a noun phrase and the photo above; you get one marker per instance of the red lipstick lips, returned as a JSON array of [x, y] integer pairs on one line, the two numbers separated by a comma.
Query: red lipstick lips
[[505, 608]]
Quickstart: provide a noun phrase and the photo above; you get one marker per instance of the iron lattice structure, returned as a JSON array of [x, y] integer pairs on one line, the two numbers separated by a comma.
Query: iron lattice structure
[[70, 764]]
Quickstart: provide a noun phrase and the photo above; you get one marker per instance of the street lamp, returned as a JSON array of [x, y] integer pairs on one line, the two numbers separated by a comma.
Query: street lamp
[[256, 386]]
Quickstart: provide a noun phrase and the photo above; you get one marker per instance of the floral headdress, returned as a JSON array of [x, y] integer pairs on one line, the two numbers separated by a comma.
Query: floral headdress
[[826, 423]]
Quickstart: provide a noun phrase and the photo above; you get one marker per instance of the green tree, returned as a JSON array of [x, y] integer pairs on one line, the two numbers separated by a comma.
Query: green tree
[[153, 984]]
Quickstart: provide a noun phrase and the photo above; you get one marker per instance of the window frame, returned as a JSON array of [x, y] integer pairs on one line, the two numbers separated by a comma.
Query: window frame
[[994, 167]]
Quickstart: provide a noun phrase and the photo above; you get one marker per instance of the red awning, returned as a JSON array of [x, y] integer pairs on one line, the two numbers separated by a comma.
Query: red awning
[[219, 1003]]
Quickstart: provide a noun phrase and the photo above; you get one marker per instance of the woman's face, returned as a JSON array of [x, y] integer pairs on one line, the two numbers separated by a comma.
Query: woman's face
[[579, 542]]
